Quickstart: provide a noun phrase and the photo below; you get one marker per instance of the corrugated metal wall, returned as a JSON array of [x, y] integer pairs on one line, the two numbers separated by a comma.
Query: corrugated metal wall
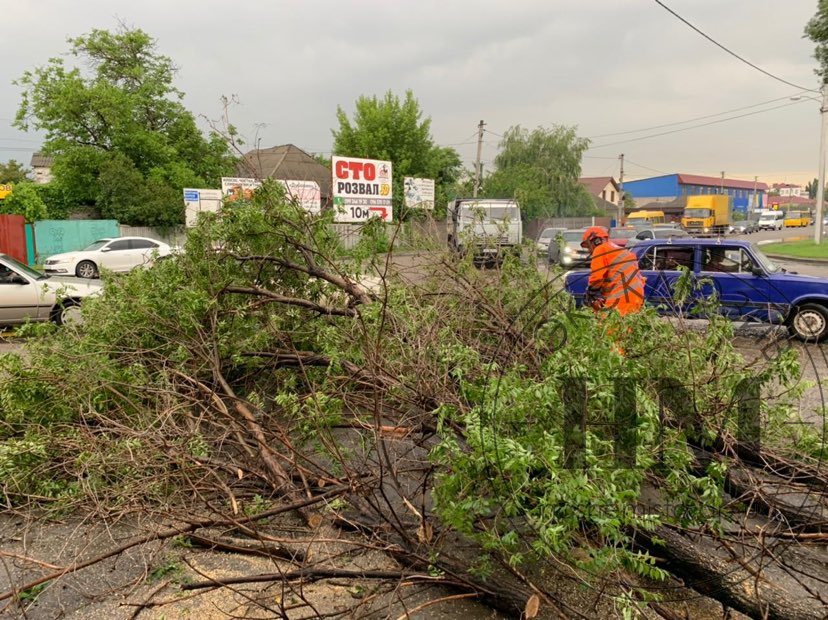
[[13, 236], [56, 236], [173, 236]]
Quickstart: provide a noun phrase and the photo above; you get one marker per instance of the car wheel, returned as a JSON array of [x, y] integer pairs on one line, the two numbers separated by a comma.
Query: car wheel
[[67, 313], [809, 322], [86, 269]]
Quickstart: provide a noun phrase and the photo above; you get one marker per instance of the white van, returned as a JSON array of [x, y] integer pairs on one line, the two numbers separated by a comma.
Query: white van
[[771, 220]]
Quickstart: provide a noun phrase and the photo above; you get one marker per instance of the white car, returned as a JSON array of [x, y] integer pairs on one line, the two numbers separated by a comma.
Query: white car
[[546, 237], [121, 254], [28, 295]]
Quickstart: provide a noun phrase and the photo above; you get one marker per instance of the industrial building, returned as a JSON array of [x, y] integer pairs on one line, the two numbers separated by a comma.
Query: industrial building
[[669, 192]]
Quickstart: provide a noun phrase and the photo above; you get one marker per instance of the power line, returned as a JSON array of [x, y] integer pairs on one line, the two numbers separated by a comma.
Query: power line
[[697, 118], [721, 120], [629, 161], [21, 140], [731, 52]]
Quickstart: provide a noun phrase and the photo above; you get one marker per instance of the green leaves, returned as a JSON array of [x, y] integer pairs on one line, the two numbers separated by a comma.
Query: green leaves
[[120, 137], [13, 172], [540, 169], [817, 30], [26, 201]]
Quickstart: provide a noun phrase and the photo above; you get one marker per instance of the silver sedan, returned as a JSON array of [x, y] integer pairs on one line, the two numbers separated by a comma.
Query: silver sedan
[[28, 295]]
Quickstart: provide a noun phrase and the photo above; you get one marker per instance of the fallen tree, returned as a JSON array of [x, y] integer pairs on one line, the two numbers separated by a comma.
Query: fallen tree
[[475, 410]]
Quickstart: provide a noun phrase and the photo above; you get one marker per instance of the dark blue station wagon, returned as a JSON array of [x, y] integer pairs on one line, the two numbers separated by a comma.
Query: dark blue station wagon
[[749, 285]]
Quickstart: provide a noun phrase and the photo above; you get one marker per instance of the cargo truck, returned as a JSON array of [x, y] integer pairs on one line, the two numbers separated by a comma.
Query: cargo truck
[[708, 215], [486, 227]]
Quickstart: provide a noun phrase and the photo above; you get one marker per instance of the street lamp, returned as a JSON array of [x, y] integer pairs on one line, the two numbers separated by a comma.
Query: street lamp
[[820, 197]]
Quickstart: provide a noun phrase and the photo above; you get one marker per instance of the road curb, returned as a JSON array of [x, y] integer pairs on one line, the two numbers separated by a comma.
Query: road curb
[[821, 262]]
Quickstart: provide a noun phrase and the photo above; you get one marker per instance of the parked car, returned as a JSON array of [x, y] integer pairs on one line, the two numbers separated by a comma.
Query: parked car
[[568, 252], [28, 295], [748, 285], [656, 233], [547, 235], [121, 254], [622, 236]]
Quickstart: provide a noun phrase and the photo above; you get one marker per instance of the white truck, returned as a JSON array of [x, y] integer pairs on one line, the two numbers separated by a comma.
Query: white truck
[[486, 227]]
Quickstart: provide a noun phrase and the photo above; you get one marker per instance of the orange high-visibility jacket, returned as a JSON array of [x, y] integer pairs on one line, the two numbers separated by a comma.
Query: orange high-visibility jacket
[[614, 271]]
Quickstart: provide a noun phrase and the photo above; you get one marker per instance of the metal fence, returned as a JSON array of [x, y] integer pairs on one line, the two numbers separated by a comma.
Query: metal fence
[[49, 237], [173, 236], [533, 228]]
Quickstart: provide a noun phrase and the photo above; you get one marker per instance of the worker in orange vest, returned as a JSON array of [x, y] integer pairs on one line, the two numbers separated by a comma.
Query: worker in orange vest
[[614, 279]]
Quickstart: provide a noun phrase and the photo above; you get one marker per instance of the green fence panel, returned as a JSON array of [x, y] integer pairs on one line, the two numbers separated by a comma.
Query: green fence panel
[[30, 252], [57, 236]]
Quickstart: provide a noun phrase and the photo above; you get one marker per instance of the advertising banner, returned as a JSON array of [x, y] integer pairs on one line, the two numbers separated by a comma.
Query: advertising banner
[[306, 193], [236, 188], [419, 193], [198, 200], [361, 189]]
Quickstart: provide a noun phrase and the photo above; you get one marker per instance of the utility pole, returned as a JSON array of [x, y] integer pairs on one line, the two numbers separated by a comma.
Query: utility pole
[[754, 204], [721, 188], [820, 197], [620, 192], [477, 163]]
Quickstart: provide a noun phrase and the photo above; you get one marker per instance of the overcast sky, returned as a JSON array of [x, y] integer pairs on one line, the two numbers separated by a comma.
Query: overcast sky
[[605, 66]]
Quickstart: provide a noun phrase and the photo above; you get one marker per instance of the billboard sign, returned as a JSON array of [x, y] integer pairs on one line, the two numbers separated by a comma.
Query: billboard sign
[[236, 188], [361, 189], [200, 200], [306, 193], [419, 193]]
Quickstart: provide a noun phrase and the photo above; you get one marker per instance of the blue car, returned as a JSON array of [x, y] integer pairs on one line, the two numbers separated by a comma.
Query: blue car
[[749, 286]]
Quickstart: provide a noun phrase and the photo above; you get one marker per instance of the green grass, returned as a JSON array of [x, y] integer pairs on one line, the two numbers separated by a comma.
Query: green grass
[[799, 249]]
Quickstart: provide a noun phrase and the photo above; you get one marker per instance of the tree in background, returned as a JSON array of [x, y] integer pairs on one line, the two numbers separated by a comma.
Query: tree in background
[[811, 188], [118, 132], [540, 168], [26, 201], [13, 172], [394, 130], [817, 30]]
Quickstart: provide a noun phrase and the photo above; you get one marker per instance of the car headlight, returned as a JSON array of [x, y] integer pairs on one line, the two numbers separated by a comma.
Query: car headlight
[[568, 250]]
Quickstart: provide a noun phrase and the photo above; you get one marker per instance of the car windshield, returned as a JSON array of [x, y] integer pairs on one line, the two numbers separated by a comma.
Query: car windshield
[[697, 212], [18, 266], [491, 212], [547, 233], [573, 235], [96, 246], [767, 263]]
